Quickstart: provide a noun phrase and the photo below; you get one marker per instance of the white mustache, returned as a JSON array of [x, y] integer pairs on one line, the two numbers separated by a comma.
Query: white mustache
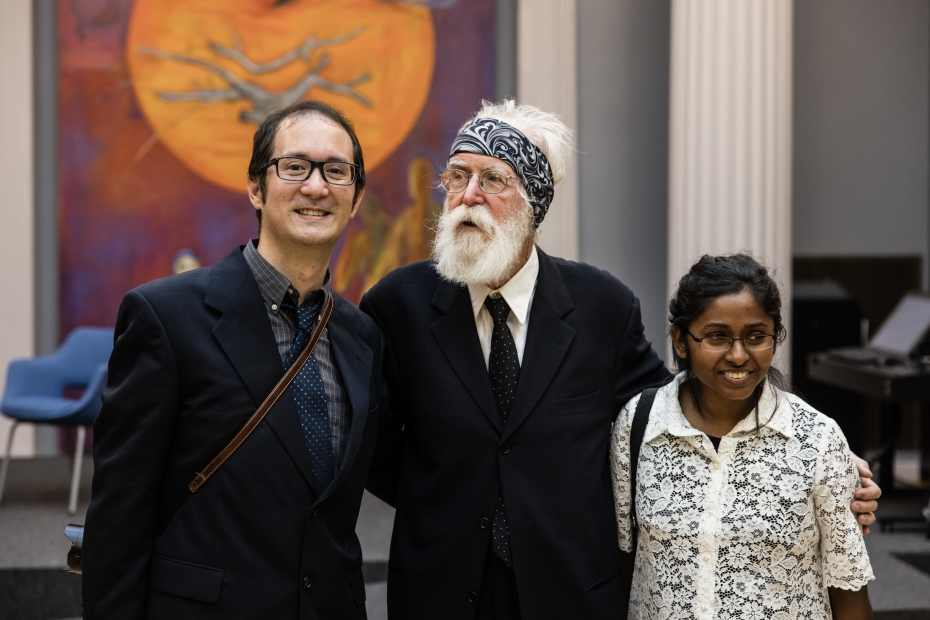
[[466, 258], [478, 215]]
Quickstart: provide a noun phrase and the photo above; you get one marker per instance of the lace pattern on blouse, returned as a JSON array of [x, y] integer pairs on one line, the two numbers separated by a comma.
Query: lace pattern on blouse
[[758, 530]]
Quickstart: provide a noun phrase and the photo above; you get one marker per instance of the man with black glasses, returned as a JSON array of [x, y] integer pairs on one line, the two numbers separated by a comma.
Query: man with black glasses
[[271, 533]]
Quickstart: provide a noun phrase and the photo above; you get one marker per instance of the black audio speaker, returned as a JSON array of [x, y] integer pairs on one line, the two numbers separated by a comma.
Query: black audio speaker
[[825, 316]]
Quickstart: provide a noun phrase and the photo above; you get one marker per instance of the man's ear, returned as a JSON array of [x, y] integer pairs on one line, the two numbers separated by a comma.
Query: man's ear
[[255, 195], [681, 349], [358, 202]]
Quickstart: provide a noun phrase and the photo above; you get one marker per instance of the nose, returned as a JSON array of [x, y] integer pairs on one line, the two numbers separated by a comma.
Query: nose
[[473, 194], [737, 353], [315, 185]]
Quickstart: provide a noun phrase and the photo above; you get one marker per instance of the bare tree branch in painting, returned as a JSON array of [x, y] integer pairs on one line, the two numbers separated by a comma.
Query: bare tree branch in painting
[[433, 4], [264, 101], [304, 50]]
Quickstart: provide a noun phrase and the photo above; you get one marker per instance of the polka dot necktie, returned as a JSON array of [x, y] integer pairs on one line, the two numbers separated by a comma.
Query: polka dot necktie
[[309, 393], [504, 368]]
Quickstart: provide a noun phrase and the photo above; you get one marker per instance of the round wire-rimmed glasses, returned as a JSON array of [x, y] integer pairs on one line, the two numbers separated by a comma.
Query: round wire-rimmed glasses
[[721, 344], [300, 169], [454, 180]]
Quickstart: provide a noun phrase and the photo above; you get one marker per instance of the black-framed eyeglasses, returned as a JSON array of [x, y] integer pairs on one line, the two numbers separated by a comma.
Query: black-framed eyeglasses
[[720, 344], [455, 180], [300, 169]]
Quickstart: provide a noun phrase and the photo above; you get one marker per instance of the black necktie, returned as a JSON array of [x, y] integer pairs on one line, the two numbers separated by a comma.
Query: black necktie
[[310, 394], [504, 368]]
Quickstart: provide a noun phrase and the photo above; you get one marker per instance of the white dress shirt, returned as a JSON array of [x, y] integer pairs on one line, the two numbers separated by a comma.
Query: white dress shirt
[[518, 293]]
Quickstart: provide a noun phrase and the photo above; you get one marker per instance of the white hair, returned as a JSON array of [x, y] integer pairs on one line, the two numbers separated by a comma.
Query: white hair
[[545, 130]]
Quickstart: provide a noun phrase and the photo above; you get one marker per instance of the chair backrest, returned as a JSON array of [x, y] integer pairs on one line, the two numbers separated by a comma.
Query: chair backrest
[[82, 352]]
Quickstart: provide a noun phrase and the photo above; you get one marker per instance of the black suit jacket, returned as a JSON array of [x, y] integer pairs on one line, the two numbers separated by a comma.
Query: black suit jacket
[[194, 357], [585, 356]]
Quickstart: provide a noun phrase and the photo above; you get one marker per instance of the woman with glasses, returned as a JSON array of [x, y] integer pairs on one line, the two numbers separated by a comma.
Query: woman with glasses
[[739, 506]]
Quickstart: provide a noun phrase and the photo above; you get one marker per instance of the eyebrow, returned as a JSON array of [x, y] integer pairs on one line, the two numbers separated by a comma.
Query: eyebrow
[[725, 326], [458, 163], [331, 158]]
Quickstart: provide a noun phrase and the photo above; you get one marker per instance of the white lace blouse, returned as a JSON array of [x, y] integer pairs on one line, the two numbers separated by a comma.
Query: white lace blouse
[[757, 531]]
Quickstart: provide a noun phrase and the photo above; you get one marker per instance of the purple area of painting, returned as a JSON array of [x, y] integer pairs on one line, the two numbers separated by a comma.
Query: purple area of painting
[[465, 49], [464, 74], [123, 217]]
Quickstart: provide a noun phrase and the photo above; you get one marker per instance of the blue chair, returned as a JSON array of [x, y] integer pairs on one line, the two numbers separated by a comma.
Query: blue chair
[[34, 389]]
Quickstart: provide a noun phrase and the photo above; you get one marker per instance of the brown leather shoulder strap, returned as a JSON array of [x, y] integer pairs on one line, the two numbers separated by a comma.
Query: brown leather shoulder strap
[[269, 401]]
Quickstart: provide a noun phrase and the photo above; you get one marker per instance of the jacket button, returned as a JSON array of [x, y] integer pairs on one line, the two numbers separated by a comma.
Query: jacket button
[[306, 583], [505, 448], [315, 512], [472, 597], [484, 523]]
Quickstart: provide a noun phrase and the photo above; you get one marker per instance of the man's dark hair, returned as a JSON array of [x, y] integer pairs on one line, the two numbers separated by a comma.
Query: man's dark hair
[[264, 140]]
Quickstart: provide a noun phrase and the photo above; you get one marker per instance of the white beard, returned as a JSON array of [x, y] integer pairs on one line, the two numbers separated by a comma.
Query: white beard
[[482, 255]]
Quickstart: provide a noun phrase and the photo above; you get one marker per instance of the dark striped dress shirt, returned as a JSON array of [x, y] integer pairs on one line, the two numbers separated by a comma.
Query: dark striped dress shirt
[[274, 287]]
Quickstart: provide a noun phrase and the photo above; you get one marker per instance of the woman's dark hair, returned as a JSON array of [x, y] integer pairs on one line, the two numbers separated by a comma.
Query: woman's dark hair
[[713, 277], [263, 142]]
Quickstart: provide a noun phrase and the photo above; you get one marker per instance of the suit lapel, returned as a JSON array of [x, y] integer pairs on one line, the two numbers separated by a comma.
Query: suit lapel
[[354, 360], [245, 335], [243, 330], [547, 341], [458, 338]]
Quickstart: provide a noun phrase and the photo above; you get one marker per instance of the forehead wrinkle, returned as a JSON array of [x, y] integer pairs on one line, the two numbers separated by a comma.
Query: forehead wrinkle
[[304, 117], [461, 163]]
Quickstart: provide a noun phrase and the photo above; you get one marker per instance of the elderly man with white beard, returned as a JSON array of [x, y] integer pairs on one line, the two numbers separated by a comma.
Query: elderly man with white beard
[[505, 369]]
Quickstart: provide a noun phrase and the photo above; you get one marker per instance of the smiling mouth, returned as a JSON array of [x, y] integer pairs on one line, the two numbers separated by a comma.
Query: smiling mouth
[[316, 212], [736, 375]]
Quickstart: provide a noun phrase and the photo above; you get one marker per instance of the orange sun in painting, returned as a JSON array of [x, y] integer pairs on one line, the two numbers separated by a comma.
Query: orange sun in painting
[[206, 73]]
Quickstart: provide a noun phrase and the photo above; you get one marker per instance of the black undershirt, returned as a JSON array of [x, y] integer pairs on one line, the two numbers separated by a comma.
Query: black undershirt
[[715, 441]]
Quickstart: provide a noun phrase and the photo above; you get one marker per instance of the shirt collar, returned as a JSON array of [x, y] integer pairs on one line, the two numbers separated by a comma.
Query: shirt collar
[[775, 410], [273, 285], [517, 292], [775, 413]]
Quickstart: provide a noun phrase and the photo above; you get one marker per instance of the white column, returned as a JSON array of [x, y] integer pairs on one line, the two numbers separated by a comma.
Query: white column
[[730, 135], [547, 77], [16, 208]]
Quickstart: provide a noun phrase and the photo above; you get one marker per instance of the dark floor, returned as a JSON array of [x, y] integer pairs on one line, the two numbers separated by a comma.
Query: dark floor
[[33, 547]]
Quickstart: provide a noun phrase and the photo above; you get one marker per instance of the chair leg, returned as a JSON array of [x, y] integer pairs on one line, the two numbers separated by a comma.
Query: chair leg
[[76, 470], [6, 459]]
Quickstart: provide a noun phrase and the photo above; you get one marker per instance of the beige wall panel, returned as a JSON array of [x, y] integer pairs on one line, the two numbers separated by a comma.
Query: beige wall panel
[[547, 77], [730, 135], [16, 208]]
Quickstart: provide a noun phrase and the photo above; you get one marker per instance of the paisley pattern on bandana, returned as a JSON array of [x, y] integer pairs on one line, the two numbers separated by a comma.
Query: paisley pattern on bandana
[[489, 136]]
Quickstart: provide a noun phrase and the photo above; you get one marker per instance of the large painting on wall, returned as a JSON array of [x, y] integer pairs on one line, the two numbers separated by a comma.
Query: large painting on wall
[[158, 101]]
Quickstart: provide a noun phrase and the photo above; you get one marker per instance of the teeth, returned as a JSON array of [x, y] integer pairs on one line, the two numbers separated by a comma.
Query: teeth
[[310, 212], [736, 375]]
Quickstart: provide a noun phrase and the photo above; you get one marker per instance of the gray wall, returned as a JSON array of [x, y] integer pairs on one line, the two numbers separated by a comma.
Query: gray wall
[[861, 110], [623, 81], [45, 131]]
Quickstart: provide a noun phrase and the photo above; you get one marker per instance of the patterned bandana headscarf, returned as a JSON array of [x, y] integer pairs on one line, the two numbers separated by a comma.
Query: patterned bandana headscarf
[[489, 136]]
